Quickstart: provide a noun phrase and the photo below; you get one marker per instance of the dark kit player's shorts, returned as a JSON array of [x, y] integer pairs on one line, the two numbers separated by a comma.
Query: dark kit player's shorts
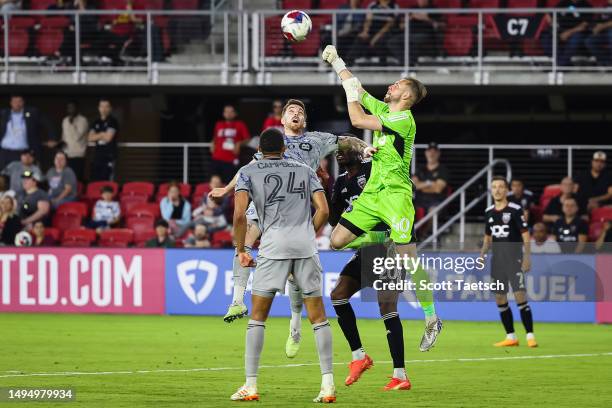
[[507, 270], [361, 265]]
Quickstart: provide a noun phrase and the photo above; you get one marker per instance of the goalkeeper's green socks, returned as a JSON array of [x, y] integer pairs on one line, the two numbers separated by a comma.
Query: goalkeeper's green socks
[[424, 296]]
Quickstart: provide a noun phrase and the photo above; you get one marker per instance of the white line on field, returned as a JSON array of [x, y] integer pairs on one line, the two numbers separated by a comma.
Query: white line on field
[[190, 370]]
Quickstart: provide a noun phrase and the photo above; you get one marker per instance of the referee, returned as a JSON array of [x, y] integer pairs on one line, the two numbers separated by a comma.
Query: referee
[[505, 228]]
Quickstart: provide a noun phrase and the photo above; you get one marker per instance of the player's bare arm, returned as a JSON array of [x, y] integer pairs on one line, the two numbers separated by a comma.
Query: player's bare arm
[[240, 226], [321, 214], [526, 264], [486, 244], [220, 192]]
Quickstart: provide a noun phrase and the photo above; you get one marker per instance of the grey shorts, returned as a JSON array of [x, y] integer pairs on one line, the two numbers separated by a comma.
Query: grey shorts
[[251, 214], [271, 276]]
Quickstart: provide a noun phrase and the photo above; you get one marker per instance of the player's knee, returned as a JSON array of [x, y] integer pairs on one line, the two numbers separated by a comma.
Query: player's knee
[[336, 242]]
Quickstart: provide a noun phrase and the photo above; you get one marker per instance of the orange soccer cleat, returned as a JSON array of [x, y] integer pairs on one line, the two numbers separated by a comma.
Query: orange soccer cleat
[[357, 368], [532, 342], [507, 343], [397, 384]]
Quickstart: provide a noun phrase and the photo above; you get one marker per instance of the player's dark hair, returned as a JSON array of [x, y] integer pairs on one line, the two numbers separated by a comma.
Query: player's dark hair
[[105, 99], [294, 102], [517, 180], [271, 141], [417, 88], [500, 178]]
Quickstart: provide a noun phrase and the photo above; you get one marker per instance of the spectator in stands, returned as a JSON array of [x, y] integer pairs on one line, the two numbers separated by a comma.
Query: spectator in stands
[[125, 35], [228, 136], [103, 133], [570, 230], [199, 238], [211, 213], [39, 239], [541, 243], [62, 181], [74, 137], [15, 170], [430, 181], [349, 25], [605, 238], [20, 128], [520, 196], [599, 40], [34, 203], [595, 185], [106, 212], [376, 31], [9, 5], [162, 238], [176, 210], [426, 35], [10, 224], [554, 209], [274, 118], [572, 30]]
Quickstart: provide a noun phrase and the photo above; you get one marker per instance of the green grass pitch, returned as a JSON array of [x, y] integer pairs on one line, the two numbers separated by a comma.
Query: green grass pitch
[[194, 361]]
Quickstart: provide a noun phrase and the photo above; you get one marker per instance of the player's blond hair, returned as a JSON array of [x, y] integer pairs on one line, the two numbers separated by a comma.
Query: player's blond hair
[[418, 89]]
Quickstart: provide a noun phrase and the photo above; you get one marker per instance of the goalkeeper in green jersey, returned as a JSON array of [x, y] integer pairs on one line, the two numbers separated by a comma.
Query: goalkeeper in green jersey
[[387, 196]]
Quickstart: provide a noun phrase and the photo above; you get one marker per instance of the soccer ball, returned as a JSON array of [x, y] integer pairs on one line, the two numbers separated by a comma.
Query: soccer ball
[[23, 238], [296, 25]]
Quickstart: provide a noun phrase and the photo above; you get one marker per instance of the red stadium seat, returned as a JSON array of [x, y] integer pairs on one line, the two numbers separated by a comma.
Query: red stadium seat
[[297, 4], [404, 4], [49, 41], [94, 189], [54, 233], [21, 22], [81, 237], [19, 40], [127, 202], [148, 210], [462, 20], [522, 4], [54, 22], [275, 42], [42, 4], [162, 191], [202, 189], [549, 193], [595, 229], [148, 4], [137, 224], [184, 4], [601, 214], [222, 239], [138, 187], [141, 237], [66, 221], [484, 3], [75, 207], [120, 237], [446, 3], [458, 41], [333, 4], [310, 46]]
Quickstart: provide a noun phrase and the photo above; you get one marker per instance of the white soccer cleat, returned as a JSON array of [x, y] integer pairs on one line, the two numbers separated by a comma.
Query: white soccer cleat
[[327, 395], [433, 327], [245, 393]]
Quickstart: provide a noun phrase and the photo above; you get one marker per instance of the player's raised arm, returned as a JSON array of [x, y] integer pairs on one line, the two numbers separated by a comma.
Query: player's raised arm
[[220, 192]]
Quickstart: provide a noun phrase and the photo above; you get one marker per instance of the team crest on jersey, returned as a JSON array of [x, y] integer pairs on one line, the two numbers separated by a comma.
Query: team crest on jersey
[[306, 146], [361, 181], [506, 217]]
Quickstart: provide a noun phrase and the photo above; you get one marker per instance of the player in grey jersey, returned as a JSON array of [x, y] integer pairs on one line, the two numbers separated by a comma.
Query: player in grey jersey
[[283, 191], [307, 148]]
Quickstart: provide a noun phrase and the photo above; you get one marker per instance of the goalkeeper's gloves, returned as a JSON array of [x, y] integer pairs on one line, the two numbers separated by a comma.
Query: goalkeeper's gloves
[[351, 88], [330, 55]]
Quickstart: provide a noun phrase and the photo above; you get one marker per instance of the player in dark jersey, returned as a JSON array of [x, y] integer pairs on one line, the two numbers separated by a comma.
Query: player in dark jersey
[[348, 187], [505, 229]]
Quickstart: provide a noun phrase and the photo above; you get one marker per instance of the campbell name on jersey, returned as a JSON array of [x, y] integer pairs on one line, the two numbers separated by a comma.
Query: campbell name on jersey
[[507, 224]]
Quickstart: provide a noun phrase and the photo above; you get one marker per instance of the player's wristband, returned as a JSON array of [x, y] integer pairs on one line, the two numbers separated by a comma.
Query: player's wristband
[[338, 65]]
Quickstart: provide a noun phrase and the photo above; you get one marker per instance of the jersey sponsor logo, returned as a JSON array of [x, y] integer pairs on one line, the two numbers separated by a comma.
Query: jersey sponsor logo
[[361, 181], [187, 272], [500, 231], [506, 217], [306, 146]]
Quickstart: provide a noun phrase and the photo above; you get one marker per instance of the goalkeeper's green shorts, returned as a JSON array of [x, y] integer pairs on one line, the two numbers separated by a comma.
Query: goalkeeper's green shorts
[[393, 207]]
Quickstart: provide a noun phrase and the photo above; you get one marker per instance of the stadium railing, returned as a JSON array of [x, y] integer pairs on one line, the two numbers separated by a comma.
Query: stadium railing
[[478, 45]]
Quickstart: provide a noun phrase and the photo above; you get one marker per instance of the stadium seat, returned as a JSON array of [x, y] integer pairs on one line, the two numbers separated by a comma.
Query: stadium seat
[[49, 41], [405, 4], [484, 4], [139, 223], [296, 4], [41, 4], [601, 214], [446, 3], [81, 237], [54, 22], [595, 231], [333, 4], [74, 207], [148, 210], [19, 40], [162, 190], [275, 42], [94, 188], [66, 221], [222, 239], [184, 4], [201, 189], [127, 202], [310, 46], [21, 22], [522, 4], [549, 193], [120, 237], [141, 237], [138, 187], [54, 233], [458, 41]]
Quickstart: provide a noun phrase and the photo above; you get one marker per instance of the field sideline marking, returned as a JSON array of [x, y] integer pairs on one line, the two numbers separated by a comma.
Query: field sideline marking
[[188, 370]]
